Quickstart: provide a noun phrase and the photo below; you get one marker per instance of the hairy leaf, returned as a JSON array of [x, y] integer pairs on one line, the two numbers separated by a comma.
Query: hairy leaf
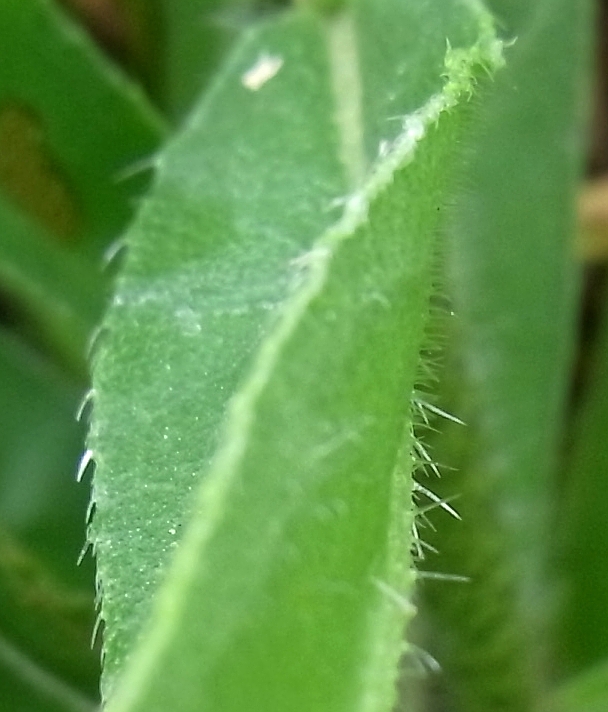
[[262, 349]]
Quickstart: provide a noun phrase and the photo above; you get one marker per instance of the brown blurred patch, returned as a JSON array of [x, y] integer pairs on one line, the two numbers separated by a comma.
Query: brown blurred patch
[[105, 20], [593, 215], [30, 177], [127, 30]]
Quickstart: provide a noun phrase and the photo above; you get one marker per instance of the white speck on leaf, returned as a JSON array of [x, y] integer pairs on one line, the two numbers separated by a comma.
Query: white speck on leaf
[[384, 148], [188, 321], [262, 71]]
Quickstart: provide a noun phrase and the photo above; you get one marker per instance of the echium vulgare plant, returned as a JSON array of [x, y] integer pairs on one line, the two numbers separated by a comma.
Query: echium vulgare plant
[[345, 233]]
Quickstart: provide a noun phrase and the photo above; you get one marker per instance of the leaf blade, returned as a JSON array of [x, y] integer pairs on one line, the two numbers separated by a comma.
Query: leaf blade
[[305, 71]]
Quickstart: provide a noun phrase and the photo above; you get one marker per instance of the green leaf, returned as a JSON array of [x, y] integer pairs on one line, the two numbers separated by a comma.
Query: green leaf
[[583, 528], [57, 294], [587, 692], [514, 285], [26, 687], [195, 40], [61, 168], [49, 104], [46, 602], [278, 278], [523, 357]]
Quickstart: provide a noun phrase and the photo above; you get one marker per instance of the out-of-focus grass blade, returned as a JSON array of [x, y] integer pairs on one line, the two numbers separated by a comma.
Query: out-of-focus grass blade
[[54, 150], [27, 687], [583, 525], [63, 167], [196, 37], [586, 692], [57, 295], [46, 602], [513, 280]]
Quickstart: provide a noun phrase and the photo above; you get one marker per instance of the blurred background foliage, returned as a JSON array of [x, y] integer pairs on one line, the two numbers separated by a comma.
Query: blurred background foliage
[[88, 91]]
